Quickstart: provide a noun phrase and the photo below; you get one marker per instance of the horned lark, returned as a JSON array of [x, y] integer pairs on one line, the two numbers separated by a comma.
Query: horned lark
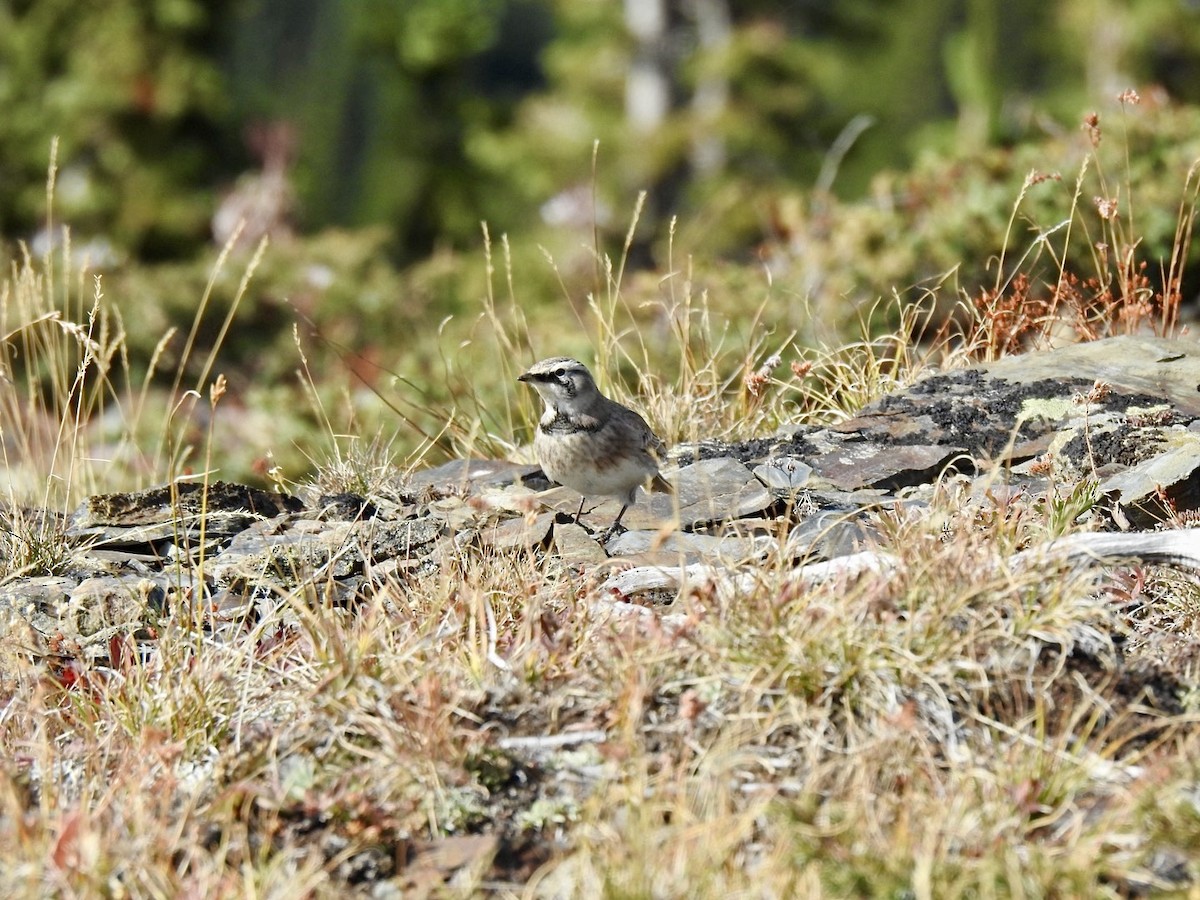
[[588, 442]]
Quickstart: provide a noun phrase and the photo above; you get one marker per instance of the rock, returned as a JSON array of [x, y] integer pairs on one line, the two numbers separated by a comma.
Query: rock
[[785, 474], [461, 476], [1026, 423], [575, 547], [715, 489], [521, 533], [691, 548], [278, 548], [455, 513], [183, 500], [345, 507], [1172, 477], [829, 534], [862, 465], [290, 552], [30, 597], [1144, 367], [407, 539], [97, 603]]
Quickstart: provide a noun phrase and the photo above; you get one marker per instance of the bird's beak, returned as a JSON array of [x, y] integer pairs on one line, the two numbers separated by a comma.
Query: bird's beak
[[526, 377]]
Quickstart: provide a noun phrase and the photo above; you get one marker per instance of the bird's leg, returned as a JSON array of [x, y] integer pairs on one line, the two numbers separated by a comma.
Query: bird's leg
[[612, 529], [617, 521], [579, 512]]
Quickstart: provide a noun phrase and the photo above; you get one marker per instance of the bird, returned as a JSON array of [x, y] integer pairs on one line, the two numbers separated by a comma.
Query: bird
[[590, 443]]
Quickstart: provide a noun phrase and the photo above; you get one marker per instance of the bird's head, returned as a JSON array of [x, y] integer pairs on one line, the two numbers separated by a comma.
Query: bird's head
[[564, 383]]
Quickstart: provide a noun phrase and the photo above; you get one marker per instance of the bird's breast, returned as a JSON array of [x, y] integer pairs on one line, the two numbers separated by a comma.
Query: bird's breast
[[591, 463]]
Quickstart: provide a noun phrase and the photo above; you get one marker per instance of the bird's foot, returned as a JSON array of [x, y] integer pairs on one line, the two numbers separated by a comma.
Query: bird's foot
[[614, 527], [609, 533]]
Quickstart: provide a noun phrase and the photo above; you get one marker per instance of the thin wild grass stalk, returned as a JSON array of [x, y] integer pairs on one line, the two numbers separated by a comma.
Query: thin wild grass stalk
[[215, 393], [1116, 298], [830, 383], [163, 455], [349, 463], [67, 365], [1185, 221]]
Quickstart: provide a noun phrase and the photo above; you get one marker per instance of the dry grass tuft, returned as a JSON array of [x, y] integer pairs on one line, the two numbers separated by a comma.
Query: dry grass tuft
[[963, 725]]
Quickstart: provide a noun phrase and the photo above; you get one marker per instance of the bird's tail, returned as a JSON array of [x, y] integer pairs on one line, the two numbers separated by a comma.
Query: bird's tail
[[660, 484]]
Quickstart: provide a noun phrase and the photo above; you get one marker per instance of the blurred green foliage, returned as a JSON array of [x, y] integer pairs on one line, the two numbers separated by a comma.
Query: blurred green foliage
[[854, 149], [133, 92], [430, 116], [389, 98]]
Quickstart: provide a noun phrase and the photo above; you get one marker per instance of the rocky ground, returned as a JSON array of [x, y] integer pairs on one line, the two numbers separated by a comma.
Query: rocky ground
[[1125, 411], [1122, 415]]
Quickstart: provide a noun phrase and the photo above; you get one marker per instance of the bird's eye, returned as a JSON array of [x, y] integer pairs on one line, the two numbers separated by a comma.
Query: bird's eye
[[559, 373]]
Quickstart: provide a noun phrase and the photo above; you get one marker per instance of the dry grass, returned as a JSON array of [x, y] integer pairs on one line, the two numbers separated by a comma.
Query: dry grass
[[956, 727], [960, 726]]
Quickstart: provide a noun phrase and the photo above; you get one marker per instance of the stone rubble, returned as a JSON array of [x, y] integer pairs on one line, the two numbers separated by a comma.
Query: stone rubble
[[1126, 410]]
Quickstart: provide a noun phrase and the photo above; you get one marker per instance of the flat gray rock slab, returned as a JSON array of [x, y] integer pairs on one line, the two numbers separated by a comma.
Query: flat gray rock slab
[[717, 489], [518, 533], [226, 508], [1172, 477], [784, 474], [691, 547], [1014, 409], [864, 465], [576, 547], [28, 595], [649, 511], [291, 551], [705, 492], [1134, 364], [830, 534]]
